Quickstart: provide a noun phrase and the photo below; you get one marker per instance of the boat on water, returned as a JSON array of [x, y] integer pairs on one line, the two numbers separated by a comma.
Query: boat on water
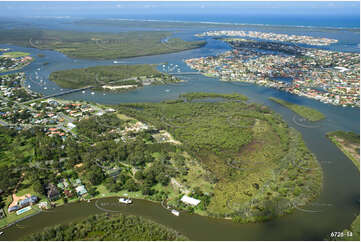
[[125, 200], [115, 62], [1, 232], [175, 212], [45, 88], [92, 93], [83, 92]]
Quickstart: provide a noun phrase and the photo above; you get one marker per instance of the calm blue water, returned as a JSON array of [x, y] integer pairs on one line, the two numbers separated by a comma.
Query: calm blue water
[[325, 14]]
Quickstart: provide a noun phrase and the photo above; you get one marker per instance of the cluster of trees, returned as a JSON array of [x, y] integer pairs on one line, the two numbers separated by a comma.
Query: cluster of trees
[[208, 127], [215, 132], [109, 228], [200, 95], [97, 128], [137, 152]]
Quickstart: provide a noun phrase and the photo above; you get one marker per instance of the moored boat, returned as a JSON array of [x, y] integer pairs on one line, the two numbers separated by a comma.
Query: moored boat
[[175, 212], [125, 200]]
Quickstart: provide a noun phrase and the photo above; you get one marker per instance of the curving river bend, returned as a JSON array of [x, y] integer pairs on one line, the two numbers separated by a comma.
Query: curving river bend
[[333, 211]]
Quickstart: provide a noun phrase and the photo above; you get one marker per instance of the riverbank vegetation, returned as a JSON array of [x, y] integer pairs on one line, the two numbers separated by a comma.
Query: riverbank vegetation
[[348, 143], [240, 160], [111, 76], [354, 229], [109, 228], [103, 46], [258, 166], [305, 112]]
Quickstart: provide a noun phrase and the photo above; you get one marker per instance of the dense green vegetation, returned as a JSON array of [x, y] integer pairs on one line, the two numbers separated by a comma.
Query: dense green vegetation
[[241, 160], [200, 95], [305, 112], [87, 45], [107, 227], [109, 75], [349, 143], [16, 149], [259, 167]]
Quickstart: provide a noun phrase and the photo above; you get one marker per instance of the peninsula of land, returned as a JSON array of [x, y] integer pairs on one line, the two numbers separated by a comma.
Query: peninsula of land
[[328, 76], [310, 114], [182, 153], [101, 46], [112, 78], [13, 60], [348, 143]]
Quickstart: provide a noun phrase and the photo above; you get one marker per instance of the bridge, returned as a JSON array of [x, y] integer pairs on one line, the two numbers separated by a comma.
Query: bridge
[[59, 94]]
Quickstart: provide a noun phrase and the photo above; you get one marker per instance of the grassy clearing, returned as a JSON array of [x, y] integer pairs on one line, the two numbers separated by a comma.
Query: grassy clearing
[[305, 112], [15, 54]]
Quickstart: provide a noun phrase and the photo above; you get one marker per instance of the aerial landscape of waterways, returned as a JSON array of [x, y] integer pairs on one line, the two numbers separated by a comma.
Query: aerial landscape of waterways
[[334, 210]]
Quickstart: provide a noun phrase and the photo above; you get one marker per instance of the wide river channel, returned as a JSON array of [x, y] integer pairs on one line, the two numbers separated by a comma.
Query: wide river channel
[[334, 211]]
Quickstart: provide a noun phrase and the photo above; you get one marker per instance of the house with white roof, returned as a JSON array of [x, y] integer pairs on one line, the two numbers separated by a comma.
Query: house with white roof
[[190, 201]]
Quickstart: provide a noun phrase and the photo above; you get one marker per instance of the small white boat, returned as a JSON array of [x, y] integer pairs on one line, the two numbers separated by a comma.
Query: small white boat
[[1, 232], [83, 92], [167, 90], [175, 212], [29, 86], [115, 62], [125, 200], [45, 88], [92, 93]]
